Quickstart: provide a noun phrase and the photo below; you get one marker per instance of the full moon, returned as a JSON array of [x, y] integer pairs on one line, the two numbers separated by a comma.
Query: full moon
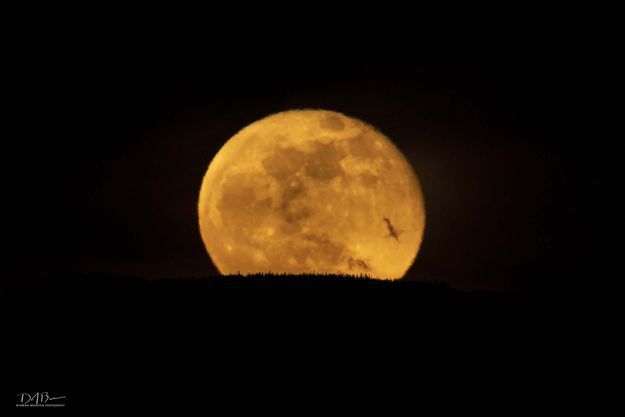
[[311, 191]]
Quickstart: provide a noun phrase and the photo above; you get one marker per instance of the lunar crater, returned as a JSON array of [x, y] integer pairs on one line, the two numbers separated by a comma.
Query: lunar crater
[[332, 123], [284, 163]]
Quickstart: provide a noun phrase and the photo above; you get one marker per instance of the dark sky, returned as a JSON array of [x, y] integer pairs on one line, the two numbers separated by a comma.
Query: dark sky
[[105, 157]]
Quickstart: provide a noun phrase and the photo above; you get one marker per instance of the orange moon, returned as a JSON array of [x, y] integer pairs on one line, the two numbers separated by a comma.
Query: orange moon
[[308, 191]]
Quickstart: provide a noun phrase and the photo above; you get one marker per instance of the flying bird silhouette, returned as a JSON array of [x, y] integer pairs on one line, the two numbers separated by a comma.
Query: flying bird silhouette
[[392, 232], [357, 263]]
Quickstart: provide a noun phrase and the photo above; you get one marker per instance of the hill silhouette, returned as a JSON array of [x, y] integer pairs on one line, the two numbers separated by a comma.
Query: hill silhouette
[[251, 338], [249, 298], [74, 286]]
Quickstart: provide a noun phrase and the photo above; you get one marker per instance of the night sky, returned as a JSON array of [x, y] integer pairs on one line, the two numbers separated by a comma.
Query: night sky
[[106, 158], [505, 112]]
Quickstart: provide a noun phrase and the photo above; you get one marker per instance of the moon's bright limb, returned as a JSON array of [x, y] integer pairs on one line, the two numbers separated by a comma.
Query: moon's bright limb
[[311, 191]]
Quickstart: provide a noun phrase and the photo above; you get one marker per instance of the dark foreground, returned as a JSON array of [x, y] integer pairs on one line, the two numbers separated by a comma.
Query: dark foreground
[[299, 343]]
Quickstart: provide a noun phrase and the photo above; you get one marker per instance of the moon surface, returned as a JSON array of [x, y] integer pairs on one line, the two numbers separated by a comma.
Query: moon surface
[[308, 191]]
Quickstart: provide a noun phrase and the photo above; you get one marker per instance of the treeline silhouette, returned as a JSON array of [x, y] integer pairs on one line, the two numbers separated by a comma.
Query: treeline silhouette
[[307, 293], [63, 284]]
